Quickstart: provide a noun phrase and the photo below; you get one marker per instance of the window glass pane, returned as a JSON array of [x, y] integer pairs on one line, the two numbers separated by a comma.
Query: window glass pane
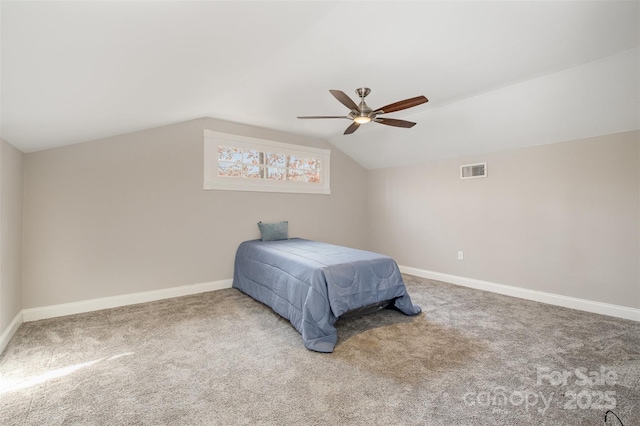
[[275, 173], [253, 157], [304, 163], [276, 160], [313, 176], [252, 172], [226, 153], [312, 164], [295, 175], [295, 162], [229, 169]]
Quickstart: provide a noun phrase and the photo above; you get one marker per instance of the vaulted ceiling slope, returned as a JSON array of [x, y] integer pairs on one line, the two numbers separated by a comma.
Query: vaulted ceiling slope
[[497, 74]]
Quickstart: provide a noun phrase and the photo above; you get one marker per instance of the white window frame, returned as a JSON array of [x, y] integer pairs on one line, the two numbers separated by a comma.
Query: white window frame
[[213, 140]]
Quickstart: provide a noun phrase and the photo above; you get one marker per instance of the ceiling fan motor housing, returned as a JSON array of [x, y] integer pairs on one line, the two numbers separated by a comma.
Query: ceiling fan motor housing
[[365, 111]]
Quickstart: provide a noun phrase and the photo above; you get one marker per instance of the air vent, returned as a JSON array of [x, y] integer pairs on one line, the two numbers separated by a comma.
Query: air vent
[[471, 171]]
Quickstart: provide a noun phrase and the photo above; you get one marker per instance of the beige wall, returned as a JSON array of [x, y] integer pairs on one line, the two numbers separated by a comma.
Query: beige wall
[[11, 162], [560, 218], [128, 214]]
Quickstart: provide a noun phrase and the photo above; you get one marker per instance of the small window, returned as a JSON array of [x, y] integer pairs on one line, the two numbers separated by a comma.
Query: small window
[[240, 163]]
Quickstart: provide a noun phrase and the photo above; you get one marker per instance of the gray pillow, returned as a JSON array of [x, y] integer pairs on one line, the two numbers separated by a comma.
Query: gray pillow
[[274, 231]]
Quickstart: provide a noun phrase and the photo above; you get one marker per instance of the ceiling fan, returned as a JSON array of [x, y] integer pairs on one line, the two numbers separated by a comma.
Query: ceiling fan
[[361, 114]]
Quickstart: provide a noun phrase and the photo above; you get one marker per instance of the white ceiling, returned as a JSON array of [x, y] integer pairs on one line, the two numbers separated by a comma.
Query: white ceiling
[[497, 74]]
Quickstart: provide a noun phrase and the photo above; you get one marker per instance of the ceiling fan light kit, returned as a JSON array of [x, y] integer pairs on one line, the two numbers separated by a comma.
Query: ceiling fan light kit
[[362, 113], [361, 119]]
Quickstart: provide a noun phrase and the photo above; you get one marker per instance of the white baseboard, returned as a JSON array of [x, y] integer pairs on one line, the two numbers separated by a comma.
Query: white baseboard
[[523, 293], [34, 314], [6, 336]]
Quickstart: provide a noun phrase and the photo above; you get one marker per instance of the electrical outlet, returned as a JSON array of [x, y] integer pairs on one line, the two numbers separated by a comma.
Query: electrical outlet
[[460, 255]]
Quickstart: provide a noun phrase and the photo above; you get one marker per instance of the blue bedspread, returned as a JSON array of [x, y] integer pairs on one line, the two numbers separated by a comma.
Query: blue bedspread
[[312, 283]]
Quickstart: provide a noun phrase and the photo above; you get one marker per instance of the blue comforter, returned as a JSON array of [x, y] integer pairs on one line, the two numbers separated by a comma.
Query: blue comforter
[[312, 283]]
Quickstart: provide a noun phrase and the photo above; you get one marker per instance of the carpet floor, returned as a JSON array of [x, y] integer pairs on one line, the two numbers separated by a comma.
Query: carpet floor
[[221, 358]]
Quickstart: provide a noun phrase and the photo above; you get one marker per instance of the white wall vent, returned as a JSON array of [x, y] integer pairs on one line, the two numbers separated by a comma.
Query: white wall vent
[[471, 171]]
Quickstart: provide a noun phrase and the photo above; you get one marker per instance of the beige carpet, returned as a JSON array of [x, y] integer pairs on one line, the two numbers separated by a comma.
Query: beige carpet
[[220, 358]]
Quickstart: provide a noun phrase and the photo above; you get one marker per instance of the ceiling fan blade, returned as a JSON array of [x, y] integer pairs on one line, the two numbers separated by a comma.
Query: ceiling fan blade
[[398, 106], [395, 122], [324, 116], [354, 126], [344, 99]]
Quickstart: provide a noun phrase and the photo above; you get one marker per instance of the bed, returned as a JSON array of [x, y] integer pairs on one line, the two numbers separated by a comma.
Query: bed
[[312, 284]]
